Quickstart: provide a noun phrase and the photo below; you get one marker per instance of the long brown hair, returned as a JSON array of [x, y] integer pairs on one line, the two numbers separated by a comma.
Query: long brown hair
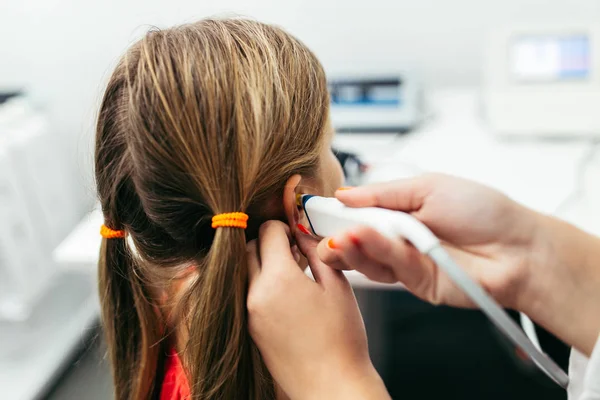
[[198, 120]]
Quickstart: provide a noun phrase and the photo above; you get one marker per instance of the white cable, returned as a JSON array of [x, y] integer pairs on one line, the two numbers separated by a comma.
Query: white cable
[[497, 315]]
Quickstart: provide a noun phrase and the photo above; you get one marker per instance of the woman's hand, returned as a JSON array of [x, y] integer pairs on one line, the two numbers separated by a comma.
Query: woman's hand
[[310, 333], [527, 261], [485, 232]]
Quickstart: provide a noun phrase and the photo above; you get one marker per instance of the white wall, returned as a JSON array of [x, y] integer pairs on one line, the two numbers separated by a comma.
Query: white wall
[[62, 50]]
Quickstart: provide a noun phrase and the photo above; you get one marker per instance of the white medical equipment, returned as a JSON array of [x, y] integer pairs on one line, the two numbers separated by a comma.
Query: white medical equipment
[[329, 217], [391, 102], [38, 160], [45, 311], [22, 265], [37, 207], [543, 81], [20, 252]]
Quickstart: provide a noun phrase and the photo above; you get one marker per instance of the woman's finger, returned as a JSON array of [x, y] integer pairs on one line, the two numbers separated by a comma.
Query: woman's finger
[[398, 254], [415, 270], [274, 240], [404, 194], [352, 254], [307, 245], [322, 273], [330, 256], [378, 257]]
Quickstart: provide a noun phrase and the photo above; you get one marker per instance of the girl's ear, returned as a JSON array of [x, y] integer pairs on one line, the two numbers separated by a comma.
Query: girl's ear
[[291, 189]]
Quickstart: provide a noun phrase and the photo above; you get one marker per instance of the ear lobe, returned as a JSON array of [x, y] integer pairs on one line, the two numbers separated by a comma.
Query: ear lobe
[[289, 200]]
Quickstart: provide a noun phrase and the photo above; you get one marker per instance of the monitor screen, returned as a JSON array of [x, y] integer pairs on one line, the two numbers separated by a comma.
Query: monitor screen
[[550, 58], [366, 92]]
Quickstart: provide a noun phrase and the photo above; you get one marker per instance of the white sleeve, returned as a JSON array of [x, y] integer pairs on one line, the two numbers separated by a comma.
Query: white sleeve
[[590, 385], [577, 366]]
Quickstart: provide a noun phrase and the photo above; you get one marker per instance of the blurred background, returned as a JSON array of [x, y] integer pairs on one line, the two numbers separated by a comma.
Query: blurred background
[[503, 92]]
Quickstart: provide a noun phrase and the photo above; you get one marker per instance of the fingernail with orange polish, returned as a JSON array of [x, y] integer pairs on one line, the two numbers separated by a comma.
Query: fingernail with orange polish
[[346, 188], [331, 244], [303, 229]]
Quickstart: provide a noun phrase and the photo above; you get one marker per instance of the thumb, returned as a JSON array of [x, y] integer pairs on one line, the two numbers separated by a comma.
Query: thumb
[[323, 274], [331, 280], [406, 195]]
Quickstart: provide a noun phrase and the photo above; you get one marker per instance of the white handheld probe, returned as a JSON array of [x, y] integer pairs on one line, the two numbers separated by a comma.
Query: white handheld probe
[[329, 217]]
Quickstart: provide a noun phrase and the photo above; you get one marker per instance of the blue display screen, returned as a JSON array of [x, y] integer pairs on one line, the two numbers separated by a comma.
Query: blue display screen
[[551, 57], [364, 92]]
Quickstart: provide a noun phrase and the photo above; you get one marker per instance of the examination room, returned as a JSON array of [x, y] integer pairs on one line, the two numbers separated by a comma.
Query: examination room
[[432, 167]]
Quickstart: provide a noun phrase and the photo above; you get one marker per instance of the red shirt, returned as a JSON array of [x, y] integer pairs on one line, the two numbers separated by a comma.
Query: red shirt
[[175, 384]]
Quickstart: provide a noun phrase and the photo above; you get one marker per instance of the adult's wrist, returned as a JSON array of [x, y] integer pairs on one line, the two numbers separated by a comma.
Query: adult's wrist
[[522, 248], [562, 290], [537, 262]]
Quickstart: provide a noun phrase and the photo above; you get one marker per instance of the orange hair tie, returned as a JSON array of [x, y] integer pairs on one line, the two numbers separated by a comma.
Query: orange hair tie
[[230, 220], [108, 233]]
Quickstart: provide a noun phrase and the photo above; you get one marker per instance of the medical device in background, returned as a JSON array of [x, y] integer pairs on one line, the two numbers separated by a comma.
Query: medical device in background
[[20, 253], [354, 168], [21, 259], [45, 310], [13, 106], [543, 81], [329, 217], [362, 102], [38, 160], [37, 208]]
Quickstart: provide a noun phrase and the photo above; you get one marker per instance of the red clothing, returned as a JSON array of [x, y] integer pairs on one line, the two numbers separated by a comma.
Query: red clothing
[[175, 384]]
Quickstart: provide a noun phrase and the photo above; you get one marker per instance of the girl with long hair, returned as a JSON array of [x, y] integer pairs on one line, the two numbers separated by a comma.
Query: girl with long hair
[[204, 132]]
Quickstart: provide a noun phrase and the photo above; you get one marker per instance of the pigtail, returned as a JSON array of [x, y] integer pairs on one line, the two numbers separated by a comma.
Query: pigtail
[[130, 327], [199, 119], [224, 362]]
